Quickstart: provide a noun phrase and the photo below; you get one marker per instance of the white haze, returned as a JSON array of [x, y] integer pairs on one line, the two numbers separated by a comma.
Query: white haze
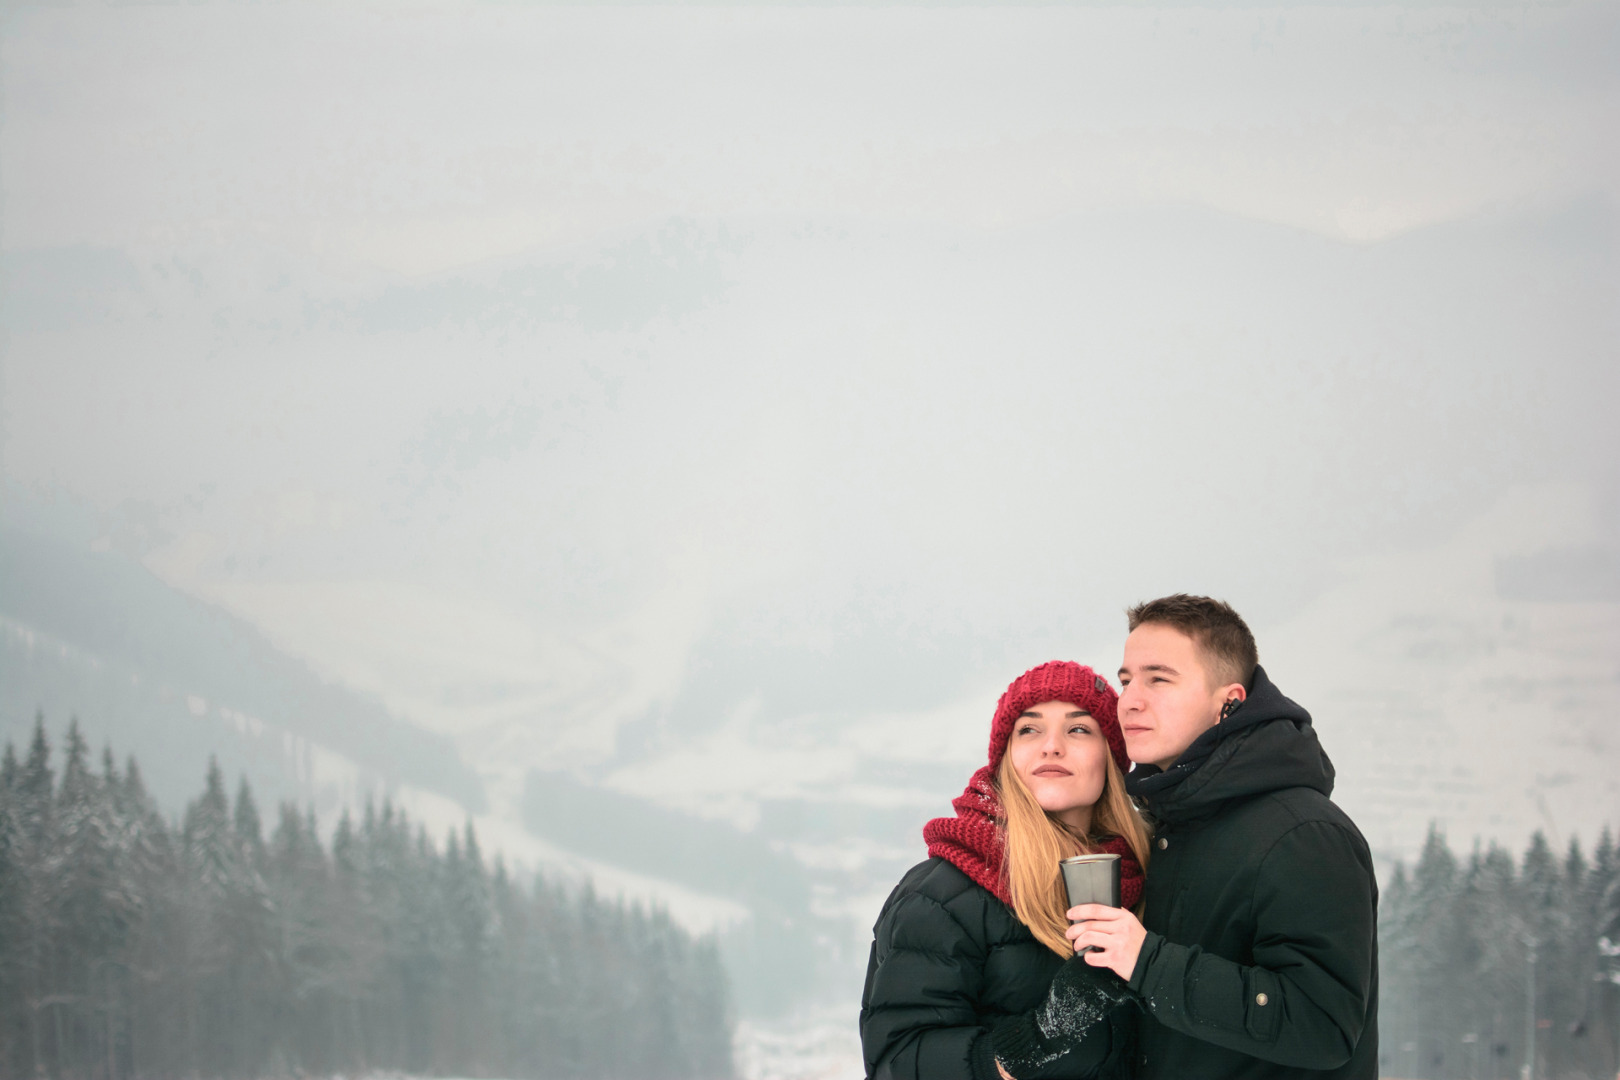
[[723, 404]]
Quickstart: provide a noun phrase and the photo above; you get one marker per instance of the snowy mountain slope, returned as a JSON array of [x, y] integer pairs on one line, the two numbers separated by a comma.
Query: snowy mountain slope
[[1473, 682], [170, 731], [167, 676], [173, 681]]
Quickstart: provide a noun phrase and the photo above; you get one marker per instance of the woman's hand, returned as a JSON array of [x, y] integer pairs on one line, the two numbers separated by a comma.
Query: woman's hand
[[1079, 999], [1113, 934]]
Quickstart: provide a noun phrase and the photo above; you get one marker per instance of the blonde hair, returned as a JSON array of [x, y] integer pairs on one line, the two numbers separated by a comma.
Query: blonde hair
[[1035, 842]]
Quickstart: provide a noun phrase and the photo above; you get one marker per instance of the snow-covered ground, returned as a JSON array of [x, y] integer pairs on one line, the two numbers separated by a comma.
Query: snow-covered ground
[[821, 1043], [816, 1044]]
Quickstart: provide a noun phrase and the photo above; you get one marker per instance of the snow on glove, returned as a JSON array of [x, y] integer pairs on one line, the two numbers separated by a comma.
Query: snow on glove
[[1079, 997]]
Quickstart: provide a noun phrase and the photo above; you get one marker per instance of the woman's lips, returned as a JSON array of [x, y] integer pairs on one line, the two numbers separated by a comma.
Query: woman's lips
[[1052, 770]]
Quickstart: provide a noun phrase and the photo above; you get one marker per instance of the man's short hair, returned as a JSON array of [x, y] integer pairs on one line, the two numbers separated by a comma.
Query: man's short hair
[[1216, 629]]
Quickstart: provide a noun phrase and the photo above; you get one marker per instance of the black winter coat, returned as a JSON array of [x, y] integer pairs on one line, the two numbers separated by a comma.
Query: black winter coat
[[1261, 958], [948, 960]]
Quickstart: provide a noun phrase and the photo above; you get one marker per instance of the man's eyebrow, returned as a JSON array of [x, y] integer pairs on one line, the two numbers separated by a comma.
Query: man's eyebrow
[[1166, 668]]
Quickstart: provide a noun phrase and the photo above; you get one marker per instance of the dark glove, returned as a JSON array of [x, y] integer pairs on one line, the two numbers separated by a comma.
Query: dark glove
[[1079, 997]]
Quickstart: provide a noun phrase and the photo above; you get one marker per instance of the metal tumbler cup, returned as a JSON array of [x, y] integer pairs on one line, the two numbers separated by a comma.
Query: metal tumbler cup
[[1092, 879]]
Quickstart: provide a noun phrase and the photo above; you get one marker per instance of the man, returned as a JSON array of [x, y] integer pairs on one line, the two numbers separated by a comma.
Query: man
[[1257, 954]]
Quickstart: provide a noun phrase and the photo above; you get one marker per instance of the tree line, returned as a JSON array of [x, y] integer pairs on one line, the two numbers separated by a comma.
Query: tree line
[[1490, 965], [133, 947]]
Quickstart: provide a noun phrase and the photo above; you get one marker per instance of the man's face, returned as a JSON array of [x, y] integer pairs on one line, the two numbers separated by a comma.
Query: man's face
[[1165, 698]]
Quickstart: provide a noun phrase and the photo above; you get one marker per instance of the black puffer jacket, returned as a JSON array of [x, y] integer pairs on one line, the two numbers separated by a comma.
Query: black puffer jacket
[[948, 960], [1261, 958]]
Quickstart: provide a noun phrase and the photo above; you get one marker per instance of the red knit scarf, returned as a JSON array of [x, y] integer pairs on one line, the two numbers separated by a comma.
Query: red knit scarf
[[972, 843]]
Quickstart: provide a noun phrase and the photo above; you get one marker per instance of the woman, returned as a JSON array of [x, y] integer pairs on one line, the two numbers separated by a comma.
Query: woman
[[971, 976]]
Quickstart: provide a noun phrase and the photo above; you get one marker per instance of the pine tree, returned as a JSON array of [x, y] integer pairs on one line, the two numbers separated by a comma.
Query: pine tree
[[709, 1015], [355, 940], [246, 919], [1395, 937], [35, 835], [14, 953], [300, 884], [1438, 953], [213, 858], [248, 828], [34, 787], [1603, 904], [156, 958], [215, 874], [468, 948], [95, 909], [1546, 928], [511, 971], [1483, 900]]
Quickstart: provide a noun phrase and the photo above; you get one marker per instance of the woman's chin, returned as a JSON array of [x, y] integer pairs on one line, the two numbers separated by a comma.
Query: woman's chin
[[1057, 801]]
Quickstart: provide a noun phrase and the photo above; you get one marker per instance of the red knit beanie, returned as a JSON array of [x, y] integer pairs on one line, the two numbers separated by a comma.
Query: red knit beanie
[[1059, 680]]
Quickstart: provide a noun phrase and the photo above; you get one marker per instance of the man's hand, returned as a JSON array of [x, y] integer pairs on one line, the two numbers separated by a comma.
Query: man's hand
[[1114, 935]]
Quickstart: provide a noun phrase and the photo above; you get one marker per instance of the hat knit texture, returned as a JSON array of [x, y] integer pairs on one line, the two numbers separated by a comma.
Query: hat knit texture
[[972, 841], [1059, 680]]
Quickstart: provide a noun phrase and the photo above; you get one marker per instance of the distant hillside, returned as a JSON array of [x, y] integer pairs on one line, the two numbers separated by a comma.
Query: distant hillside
[[174, 679], [775, 958]]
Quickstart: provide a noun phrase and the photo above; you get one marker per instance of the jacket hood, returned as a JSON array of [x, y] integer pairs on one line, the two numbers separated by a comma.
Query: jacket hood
[[1266, 744]]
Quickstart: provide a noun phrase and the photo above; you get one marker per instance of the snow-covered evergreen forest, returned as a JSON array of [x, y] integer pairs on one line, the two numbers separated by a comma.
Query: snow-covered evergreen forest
[[135, 946], [1490, 964]]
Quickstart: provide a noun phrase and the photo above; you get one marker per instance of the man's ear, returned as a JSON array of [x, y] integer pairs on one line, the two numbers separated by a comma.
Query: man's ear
[[1232, 695]]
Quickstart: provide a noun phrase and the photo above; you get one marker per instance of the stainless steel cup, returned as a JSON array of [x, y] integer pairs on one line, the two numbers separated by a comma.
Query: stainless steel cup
[[1092, 879]]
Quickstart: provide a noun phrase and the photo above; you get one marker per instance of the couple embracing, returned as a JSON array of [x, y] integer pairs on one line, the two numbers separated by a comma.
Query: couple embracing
[[1245, 944]]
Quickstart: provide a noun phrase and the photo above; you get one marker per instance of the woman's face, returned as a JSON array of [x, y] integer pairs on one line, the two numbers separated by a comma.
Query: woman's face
[[1060, 753]]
